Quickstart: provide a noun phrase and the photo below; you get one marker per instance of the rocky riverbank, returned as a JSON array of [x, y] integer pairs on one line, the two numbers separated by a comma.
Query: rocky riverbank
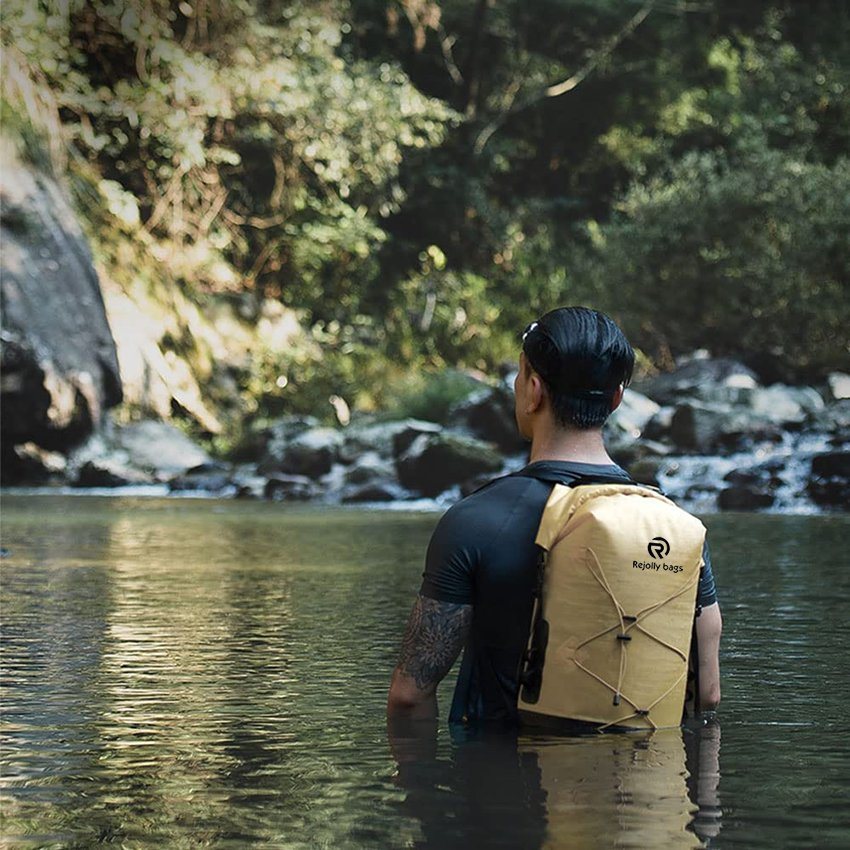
[[708, 433]]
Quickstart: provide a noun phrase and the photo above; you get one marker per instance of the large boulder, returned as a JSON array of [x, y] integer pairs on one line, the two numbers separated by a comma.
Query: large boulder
[[59, 366], [160, 448], [371, 478], [647, 470], [839, 385], [488, 414], [248, 484], [311, 453], [767, 475], [212, 477], [435, 462], [626, 425], [829, 484], [744, 498], [704, 428], [373, 491], [387, 439], [141, 452], [281, 487], [783, 405], [28, 463], [633, 415], [835, 418], [715, 380], [271, 441], [752, 487], [659, 426], [370, 466], [109, 472]]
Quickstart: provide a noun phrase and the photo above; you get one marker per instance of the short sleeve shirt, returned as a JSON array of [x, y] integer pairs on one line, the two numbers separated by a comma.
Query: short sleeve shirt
[[482, 553]]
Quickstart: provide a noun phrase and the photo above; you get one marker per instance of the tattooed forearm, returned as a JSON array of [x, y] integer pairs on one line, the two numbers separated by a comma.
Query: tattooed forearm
[[436, 633]]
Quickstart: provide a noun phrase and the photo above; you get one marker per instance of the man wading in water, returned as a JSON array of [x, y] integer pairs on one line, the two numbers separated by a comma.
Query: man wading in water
[[481, 565]]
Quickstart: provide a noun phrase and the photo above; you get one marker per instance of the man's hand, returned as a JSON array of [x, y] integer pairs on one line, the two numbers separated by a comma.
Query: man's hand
[[436, 633]]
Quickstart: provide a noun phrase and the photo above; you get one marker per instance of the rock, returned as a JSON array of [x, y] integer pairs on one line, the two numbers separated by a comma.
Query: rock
[[744, 498], [108, 473], [30, 464], [59, 366], [371, 478], [835, 417], [248, 484], [784, 405], [839, 385], [435, 462], [311, 453], [414, 428], [373, 491], [751, 488], [764, 475], [387, 439], [658, 427], [646, 471], [368, 467], [633, 414], [725, 394], [159, 448], [706, 428], [271, 442], [625, 426], [291, 488], [653, 449], [829, 484], [207, 477], [140, 453], [694, 377], [698, 427], [488, 414], [831, 464]]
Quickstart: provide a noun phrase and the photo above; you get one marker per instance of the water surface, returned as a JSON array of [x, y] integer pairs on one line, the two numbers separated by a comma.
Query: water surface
[[181, 673]]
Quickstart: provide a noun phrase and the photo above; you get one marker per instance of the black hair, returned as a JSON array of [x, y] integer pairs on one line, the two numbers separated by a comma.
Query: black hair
[[582, 357]]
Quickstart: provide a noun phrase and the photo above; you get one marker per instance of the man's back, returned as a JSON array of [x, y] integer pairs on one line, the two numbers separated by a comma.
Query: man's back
[[482, 554], [478, 588]]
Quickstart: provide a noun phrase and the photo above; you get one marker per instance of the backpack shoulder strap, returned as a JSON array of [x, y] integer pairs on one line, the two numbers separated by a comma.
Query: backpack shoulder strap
[[577, 479]]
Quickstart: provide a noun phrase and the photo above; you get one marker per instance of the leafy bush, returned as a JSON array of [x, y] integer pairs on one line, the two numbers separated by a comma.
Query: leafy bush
[[428, 395], [750, 255]]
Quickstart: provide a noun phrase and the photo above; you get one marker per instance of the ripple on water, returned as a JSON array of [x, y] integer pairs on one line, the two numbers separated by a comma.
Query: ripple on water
[[202, 673]]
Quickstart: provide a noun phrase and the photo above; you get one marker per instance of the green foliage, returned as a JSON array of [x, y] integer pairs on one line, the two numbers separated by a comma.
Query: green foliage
[[427, 395], [242, 137], [418, 180], [751, 256]]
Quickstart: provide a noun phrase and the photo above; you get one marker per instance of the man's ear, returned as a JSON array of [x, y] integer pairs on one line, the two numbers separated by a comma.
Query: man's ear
[[617, 398], [536, 394]]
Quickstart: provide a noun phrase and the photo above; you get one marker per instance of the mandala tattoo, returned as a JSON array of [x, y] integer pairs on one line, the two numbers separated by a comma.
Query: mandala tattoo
[[436, 633]]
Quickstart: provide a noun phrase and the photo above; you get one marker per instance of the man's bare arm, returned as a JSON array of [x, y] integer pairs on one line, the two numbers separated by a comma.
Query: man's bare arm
[[436, 633], [709, 627]]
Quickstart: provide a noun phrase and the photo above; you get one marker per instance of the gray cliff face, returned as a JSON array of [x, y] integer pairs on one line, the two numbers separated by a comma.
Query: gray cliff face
[[59, 366]]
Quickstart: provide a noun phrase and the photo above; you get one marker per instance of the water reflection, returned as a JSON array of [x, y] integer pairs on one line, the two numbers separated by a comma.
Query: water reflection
[[191, 673], [620, 790]]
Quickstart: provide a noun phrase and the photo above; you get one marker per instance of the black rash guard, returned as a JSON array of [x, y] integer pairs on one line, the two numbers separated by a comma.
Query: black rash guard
[[483, 554]]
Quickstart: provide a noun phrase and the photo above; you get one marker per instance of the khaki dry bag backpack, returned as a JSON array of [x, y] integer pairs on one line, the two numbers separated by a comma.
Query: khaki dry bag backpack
[[614, 611]]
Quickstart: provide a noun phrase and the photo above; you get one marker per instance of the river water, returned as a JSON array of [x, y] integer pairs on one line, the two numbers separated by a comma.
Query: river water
[[203, 673]]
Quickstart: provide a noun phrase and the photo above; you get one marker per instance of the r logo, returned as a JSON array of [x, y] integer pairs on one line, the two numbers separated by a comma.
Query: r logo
[[658, 548]]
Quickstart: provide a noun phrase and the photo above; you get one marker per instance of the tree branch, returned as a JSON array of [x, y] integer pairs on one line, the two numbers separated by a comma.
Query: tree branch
[[446, 44], [558, 89]]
